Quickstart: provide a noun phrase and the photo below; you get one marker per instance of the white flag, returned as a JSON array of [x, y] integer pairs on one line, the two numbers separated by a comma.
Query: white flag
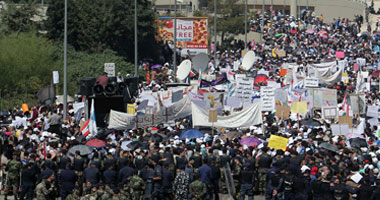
[[92, 125]]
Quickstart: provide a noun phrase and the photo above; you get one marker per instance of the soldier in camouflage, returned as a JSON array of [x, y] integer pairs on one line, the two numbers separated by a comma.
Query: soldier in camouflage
[[137, 186], [46, 188], [93, 195], [74, 195], [13, 177], [197, 189]]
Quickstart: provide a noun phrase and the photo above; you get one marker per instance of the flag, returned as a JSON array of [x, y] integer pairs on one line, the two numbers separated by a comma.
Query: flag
[[199, 77], [90, 125]]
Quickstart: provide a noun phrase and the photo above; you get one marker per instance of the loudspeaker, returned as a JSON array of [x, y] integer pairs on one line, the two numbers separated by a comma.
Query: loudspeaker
[[86, 86], [98, 90]]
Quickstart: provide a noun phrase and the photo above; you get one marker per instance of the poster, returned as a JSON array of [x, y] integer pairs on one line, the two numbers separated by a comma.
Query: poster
[[267, 99], [329, 112], [244, 89], [277, 142], [55, 77], [192, 33], [282, 112], [109, 68], [298, 107], [324, 97], [311, 82], [373, 111]]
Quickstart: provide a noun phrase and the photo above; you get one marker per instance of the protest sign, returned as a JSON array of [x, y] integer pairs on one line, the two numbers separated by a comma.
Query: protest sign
[[267, 99], [282, 112], [329, 112], [277, 142], [299, 107], [311, 82], [358, 104], [339, 54], [345, 77], [324, 97], [283, 72], [373, 111], [213, 116], [244, 89], [55, 77], [345, 120], [340, 129], [281, 53], [109, 68], [131, 109], [356, 67]]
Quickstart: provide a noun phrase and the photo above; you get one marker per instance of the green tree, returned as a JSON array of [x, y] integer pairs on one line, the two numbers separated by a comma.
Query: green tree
[[96, 25], [27, 62], [19, 18]]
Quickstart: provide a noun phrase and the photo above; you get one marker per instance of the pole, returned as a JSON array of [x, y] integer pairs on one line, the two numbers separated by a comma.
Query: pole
[[262, 20], [136, 42], [65, 66], [246, 25], [215, 32], [42, 8], [175, 38], [307, 4], [283, 12], [271, 9]]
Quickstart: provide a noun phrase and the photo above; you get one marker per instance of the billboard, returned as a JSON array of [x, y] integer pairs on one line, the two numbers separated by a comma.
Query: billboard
[[192, 33]]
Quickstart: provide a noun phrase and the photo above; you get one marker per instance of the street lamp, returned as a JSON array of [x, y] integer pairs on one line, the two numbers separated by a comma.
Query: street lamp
[[65, 65], [175, 38], [136, 42]]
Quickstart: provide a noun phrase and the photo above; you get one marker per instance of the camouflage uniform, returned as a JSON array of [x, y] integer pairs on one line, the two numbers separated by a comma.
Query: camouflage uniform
[[197, 190], [42, 191], [92, 196], [137, 187], [72, 197], [13, 176]]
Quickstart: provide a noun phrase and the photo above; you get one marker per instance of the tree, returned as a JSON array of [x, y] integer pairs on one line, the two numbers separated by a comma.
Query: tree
[[27, 62], [96, 25], [18, 18]]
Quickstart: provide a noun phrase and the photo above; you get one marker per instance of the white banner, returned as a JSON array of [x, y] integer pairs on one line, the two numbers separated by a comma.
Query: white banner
[[178, 110], [55, 77], [245, 118], [267, 99], [311, 82]]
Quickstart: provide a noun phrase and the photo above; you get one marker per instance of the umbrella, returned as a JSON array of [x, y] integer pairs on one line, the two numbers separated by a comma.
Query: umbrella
[[357, 142], [310, 31], [260, 78], [134, 145], [311, 122], [156, 66], [329, 147], [96, 143], [191, 133], [376, 73], [83, 149], [250, 141], [124, 145]]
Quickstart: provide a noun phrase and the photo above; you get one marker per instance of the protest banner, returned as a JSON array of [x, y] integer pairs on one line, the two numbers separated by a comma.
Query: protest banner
[[273, 84], [244, 89], [345, 120], [247, 117], [311, 82], [192, 33], [213, 116], [267, 99], [282, 112], [330, 112], [109, 68], [277, 142], [299, 107]]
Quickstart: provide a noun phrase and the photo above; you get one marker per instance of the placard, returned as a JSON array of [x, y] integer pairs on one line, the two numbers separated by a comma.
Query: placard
[[281, 53], [282, 112], [323, 97], [339, 54], [55, 77], [283, 72], [244, 89], [267, 99], [213, 116], [345, 77], [329, 112], [109, 68], [299, 107], [373, 111], [346, 120], [277, 142], [311, 82], [131, 109], [340, 129]]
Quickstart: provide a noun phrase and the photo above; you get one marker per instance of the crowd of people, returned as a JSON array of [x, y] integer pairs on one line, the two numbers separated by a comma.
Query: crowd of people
[[37, 162]]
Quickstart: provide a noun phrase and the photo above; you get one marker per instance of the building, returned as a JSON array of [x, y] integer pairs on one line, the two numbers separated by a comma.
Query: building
[[330, 9]]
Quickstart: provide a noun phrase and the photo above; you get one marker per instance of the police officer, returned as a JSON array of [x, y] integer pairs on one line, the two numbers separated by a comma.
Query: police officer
[[79, 166], [68, 179], [288, 185], [263, 163], [91, 174], [247, 182], [302, 185], [28, 180], [274, 185], [110, 176]]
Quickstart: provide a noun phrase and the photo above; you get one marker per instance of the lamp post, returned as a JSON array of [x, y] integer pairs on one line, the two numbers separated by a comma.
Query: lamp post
[[246, 25], [65, 65], [175, 37], [136, 42], [215, 31]]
